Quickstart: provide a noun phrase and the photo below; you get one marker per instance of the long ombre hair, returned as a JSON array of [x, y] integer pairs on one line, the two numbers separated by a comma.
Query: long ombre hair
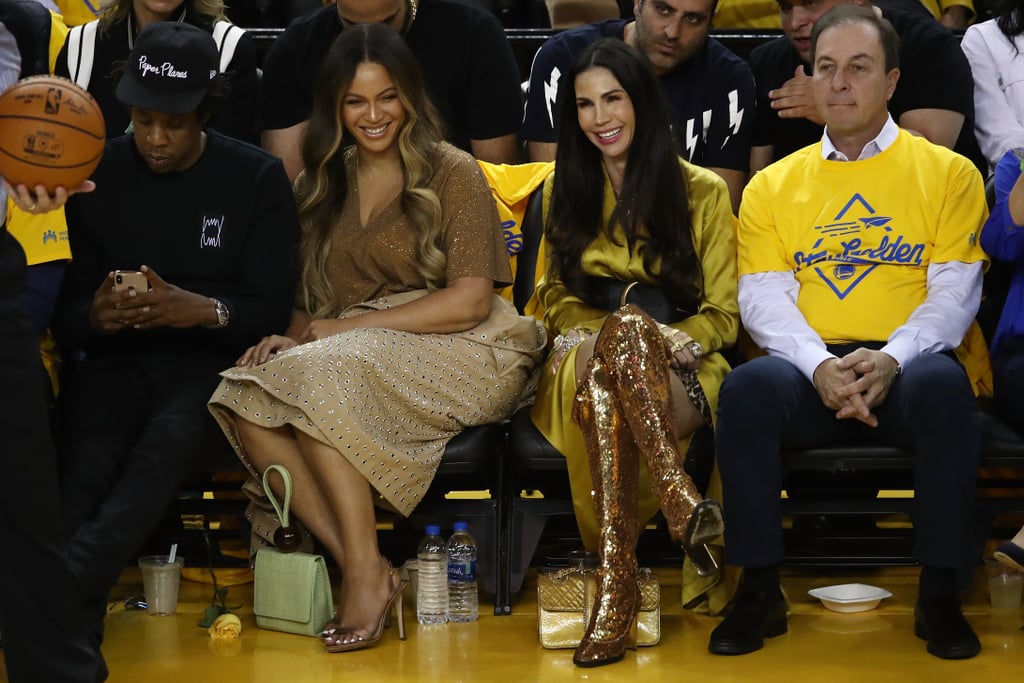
[[208, 11], [654, 200], [322, 188]]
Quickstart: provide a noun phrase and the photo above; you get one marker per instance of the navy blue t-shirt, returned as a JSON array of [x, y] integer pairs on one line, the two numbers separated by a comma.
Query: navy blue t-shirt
[[710, 96]]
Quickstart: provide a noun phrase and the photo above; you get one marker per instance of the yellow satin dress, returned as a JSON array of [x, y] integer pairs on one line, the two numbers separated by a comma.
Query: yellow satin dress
[[715, 326]]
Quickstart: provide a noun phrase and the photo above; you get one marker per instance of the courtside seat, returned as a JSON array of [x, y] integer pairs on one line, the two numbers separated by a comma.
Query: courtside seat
[[210, 508], [890, 469]]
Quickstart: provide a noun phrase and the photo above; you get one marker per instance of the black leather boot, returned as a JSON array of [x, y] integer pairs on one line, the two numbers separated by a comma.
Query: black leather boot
[[756, 614]]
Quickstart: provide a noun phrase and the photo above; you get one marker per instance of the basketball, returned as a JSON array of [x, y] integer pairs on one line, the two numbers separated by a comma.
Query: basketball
[[51, 133]]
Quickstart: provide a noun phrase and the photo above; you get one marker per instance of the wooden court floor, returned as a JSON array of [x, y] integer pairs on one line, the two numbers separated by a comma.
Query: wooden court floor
[[876, 646]]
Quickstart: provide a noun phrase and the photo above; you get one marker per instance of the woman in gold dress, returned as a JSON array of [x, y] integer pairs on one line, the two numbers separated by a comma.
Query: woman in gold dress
[[627, 385], [398, 341]]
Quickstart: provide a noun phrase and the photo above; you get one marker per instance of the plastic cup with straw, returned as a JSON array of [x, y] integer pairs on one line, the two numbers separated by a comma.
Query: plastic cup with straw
[[161, 576]]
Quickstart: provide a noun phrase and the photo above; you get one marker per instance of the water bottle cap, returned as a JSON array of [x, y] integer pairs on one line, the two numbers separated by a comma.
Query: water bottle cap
[[433, 530], [461, 526]]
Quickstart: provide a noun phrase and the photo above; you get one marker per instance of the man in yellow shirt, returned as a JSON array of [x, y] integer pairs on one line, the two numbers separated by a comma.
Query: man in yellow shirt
[[860, 275]]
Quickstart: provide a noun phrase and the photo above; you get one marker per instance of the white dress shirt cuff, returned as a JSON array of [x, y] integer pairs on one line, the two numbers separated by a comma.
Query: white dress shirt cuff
[[808, 357], [903, 349]]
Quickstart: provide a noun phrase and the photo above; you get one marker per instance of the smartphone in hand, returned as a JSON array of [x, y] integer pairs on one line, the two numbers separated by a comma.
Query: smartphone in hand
[[130, 279]]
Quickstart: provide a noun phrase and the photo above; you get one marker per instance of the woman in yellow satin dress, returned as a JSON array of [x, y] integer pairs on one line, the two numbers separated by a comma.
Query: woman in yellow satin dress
[[625, 387]]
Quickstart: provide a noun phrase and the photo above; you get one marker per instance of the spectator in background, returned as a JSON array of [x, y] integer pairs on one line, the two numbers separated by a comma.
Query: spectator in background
[[92, 52], [764, 14], [953, 14], [993, 49], [934, 97], [43, 236], [710, 91], [214, 222], [470, 73], [1003, 238]]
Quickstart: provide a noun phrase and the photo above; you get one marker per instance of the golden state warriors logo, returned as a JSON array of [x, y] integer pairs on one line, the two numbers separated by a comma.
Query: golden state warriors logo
[[850, 247]]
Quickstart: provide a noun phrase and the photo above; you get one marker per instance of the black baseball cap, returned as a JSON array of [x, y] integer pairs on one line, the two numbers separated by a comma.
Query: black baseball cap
[[169, 69]]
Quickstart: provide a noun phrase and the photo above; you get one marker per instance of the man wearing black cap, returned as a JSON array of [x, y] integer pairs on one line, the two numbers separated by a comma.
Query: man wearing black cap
[[211, 224]]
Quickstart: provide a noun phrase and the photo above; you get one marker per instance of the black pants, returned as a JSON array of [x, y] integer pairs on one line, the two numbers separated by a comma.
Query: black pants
[[767, 405], [44, 637], [132, 429]]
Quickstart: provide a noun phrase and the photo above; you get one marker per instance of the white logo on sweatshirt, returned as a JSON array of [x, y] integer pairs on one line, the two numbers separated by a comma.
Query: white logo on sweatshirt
[[210, 236]]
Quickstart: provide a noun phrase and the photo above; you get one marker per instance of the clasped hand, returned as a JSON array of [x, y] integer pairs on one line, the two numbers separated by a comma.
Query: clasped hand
[[165, 305], [856, 383]]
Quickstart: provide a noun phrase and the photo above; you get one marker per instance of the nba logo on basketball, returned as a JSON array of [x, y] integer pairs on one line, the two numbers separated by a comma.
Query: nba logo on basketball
[[53, 97]]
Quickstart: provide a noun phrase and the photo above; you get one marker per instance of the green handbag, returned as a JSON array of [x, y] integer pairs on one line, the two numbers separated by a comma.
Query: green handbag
[[292, 591]]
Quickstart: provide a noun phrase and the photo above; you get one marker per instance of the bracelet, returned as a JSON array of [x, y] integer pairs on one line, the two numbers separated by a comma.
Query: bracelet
[[692, 346]]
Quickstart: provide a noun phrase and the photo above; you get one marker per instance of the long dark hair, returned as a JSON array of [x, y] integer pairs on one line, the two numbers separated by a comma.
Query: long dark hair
[[1010, 17], [322, 188], [654, 201]]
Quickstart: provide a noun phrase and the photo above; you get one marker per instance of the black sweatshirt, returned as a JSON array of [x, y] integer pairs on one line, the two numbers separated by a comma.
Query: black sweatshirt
[[226, 227]]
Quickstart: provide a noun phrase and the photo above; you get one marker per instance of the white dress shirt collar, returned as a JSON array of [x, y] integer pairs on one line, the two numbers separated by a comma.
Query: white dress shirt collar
[[879, 144]]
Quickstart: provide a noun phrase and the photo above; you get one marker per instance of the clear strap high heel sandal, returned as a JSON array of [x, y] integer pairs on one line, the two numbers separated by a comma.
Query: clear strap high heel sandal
[[338, 639]]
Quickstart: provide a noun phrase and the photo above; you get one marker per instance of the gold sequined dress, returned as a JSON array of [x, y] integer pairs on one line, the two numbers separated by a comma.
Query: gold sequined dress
[[715, 326], [389, 401]]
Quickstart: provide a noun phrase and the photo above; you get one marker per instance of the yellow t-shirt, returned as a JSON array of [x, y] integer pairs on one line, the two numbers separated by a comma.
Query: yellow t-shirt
[[764, 14], [760, 14], [76, 12], [937, 7], [859, 236], [43, 237], [512, 186]]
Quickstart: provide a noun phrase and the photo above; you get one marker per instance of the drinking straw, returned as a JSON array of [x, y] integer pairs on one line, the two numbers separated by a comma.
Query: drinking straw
[[172, 554]]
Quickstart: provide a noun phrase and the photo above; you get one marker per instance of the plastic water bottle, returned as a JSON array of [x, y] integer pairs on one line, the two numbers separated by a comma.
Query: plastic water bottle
[[432, 589], [462, 593]]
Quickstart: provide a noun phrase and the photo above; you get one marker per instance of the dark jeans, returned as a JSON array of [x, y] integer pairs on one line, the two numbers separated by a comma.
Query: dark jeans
[[44, 638], [132, 429], [1008, 382], [767, 405]]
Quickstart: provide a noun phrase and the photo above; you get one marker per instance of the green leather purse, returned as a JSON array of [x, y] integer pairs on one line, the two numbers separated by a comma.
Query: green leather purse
[[292, 591]]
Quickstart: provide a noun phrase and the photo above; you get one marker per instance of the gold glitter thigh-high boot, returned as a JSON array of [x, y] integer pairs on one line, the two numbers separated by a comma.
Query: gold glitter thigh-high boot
[[638, 364], [614, 464]]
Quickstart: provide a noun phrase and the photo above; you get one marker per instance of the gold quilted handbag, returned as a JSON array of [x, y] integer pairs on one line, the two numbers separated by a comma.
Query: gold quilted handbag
[[564, 599]]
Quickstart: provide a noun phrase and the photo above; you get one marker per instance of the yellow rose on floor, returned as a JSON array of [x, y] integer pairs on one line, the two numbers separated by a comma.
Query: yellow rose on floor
[[225, 626]]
